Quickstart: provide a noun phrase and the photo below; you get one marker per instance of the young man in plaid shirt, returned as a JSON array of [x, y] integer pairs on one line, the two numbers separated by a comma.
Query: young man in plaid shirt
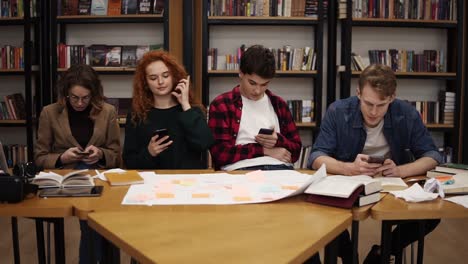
[[236, 117]]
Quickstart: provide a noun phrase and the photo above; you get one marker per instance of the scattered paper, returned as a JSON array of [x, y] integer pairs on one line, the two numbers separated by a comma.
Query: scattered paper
[[415, 194], [461, 200]]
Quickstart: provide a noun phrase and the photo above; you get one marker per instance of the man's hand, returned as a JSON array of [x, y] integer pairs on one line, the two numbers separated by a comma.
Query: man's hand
[[278, 153], [156, 145], [267, 141], [361, 166], [389, 169]]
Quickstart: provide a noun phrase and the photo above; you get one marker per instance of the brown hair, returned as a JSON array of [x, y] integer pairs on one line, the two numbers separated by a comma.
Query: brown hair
[[258, 60], [142, 100], [381, 78], [85, 76]]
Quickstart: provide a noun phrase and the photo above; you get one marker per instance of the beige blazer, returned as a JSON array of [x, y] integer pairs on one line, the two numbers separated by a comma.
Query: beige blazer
[[54, 136]]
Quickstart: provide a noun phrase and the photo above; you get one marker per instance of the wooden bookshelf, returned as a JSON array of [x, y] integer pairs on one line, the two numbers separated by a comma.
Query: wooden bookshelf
[[306, 125], [418, 75], [13, 123], [278, 73]]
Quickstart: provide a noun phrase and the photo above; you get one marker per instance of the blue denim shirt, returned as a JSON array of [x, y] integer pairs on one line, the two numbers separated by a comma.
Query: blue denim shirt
[[343, 135]]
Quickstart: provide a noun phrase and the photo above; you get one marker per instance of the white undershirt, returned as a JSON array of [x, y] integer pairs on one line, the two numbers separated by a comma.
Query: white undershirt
[[376, 144], [255, 115]]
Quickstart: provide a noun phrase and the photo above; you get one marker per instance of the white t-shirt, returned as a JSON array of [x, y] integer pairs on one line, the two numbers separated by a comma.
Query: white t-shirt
[[255, 115], [376, 144]]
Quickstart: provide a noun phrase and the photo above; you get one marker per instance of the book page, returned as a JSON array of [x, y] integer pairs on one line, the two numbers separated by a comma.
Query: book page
[[47, 179]]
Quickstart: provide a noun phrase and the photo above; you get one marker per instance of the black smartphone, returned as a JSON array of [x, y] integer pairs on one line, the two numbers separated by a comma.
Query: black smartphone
[[265, 131], [376, 159], [83, 154], [161, 133], [86, 191]]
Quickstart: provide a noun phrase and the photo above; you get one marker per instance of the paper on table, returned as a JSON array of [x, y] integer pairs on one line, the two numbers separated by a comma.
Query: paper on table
[[415, 194], [218, 188], [101, 175], [461, 200]]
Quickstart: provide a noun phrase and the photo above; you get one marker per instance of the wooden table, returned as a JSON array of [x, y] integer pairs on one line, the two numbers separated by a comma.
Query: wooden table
[[290, 230], [391, 210], [50, 210]]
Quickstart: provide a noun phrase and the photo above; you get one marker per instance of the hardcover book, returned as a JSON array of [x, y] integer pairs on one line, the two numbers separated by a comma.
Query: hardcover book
[[113, 56], [129, 7], [114, 8], [145, 6], [355, 199], [158, 7], [124, 178], [99, 8], [344, 186], [84, 7], [129, 56], [97, 55]]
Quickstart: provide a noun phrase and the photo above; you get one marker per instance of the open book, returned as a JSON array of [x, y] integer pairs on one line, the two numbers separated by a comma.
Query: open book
[[78, 178], [344, 186]]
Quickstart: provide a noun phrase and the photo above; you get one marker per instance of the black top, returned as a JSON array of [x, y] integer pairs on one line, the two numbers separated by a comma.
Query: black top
[[187, 129], [81, 125]]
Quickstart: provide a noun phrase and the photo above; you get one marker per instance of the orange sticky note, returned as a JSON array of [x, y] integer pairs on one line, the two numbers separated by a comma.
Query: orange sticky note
[[200, 195], [289, 187], [164, 195], [242, 198]]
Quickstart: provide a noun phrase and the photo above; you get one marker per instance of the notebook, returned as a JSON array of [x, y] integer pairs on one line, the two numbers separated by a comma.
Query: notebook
[[124, 178]]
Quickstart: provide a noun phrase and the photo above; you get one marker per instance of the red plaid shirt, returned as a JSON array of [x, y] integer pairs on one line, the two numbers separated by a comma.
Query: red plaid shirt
[[224, 121]]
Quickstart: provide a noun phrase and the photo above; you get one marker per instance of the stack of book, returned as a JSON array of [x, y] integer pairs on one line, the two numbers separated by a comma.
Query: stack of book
[[457, 173], [13, 107], [447, 109], [345, 191], [109, 7]]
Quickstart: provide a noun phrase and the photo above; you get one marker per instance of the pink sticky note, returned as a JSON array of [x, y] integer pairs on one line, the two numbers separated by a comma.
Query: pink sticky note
[[256, 176]]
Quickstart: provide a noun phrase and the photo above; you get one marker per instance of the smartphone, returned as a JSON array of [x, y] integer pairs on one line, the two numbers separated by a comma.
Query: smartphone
[[376, 159], [265, 131], [86, 191], [161, 133], [83, 154]]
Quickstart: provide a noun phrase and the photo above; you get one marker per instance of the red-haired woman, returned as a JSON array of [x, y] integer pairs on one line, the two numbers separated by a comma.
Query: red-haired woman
[[162, 100]]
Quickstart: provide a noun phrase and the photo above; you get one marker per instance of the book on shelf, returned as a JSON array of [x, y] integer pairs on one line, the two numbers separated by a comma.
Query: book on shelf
[[13, 107], [122, 105], [114, 7], [343, 186], [113, 56], [79, 178], [124, 178], [140, 51], [129, 7], [145, 6], [158, 7], [97, 55], [99, 7], [69, 7], [129, 56], [84, 7]]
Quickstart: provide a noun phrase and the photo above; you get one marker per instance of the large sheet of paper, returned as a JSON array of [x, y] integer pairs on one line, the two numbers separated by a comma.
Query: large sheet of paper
[[218, 188]]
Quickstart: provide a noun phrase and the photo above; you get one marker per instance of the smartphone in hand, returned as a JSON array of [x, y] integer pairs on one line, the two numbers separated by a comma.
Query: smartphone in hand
[[161, 133], [376, 159], [83, 153], [265, 131]]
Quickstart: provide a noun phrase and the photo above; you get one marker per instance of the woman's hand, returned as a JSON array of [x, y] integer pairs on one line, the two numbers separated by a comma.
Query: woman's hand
[[71, 155], [93, 154], [157, 145], [181, 92]]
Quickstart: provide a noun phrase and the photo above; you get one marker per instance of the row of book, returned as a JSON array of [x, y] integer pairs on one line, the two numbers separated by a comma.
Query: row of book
[[301, 162], [286, 58], [447, 112], [437, 112], [13, 107], [402, 60], [122, 107], [109, 7], [15, 154], [11, 57], [406, 9], [302, 110], [15, 8], [102, 55], [266, 8]]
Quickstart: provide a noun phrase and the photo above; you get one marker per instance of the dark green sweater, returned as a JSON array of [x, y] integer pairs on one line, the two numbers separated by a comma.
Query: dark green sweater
[[188, 130]]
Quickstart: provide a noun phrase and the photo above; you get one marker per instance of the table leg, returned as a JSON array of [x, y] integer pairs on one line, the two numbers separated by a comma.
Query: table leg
[[40, 241], [111, 254], [386, 241], [421, 241], [355, 240], [331, 252], [14, 231], [59, 239]]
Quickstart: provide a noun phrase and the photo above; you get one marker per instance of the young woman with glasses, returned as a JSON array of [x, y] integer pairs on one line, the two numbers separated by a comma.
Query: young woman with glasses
[[80, 130]]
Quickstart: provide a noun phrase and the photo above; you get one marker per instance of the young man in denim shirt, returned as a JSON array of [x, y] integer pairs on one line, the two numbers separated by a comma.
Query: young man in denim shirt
[[375, 123]]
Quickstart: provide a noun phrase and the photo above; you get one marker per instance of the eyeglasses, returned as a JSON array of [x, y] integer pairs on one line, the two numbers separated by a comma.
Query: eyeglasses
[[75, 99]]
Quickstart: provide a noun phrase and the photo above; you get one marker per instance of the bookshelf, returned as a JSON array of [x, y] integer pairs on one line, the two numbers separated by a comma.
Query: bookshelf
[[303, 31], [417, 32], [111, 30], [20, 30]]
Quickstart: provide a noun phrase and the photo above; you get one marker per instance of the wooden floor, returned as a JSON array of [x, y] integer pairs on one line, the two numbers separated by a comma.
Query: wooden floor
[[447, 244]]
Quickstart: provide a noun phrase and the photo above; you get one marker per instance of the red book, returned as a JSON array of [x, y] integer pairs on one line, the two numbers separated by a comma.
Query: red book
[[336, 201]]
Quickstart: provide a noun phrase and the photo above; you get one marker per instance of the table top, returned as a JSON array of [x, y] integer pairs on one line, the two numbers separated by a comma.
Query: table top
[[289, 230], [392, 208]]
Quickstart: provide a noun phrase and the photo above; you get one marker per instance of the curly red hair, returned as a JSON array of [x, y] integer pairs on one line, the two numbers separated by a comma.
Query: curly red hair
[[142, 100]]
